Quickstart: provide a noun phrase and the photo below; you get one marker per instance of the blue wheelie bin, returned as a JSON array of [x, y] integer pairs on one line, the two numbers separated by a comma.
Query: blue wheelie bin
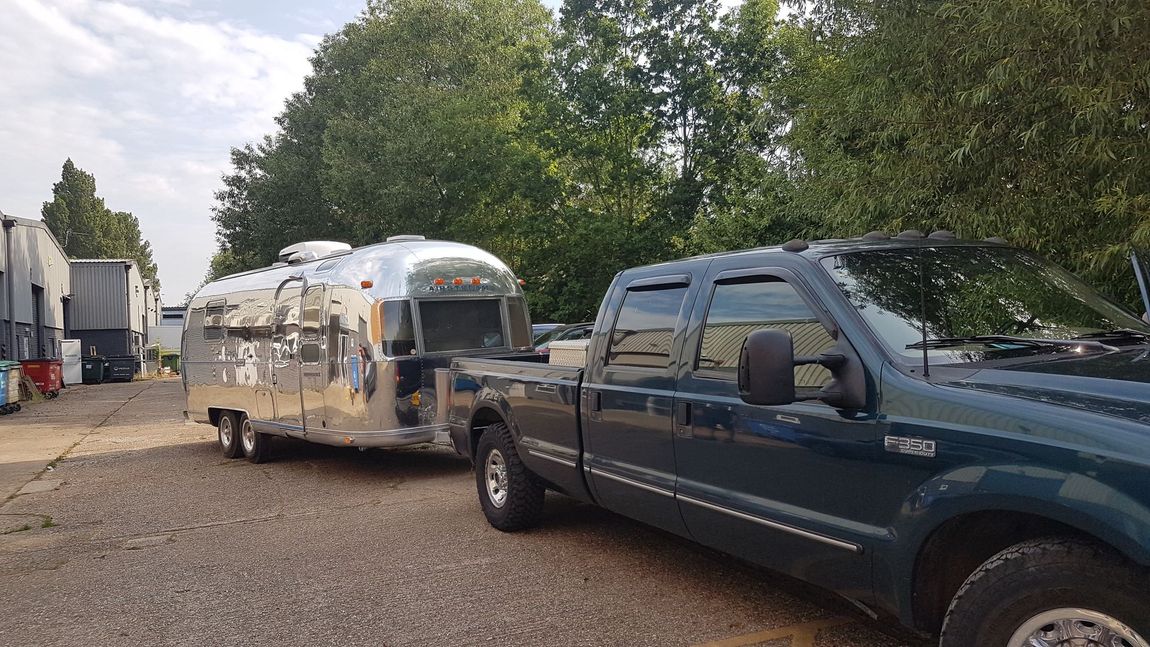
[[9, 387]]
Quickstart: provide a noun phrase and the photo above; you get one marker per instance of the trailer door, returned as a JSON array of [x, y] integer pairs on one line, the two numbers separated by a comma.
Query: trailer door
[[286, 354]]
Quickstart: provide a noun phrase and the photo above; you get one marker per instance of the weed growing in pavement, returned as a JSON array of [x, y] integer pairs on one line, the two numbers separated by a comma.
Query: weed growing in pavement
[[48, 523], [20, 529]]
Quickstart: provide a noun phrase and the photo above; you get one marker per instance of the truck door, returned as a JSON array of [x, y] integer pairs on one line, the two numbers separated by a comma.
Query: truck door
[[285, 354], [627, 422], [789, 486]]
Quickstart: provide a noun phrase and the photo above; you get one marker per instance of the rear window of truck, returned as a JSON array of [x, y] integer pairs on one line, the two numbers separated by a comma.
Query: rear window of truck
[[645, 328]]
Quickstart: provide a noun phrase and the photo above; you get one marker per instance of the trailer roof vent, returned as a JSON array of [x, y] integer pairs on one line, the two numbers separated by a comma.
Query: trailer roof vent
[[310, 250], [401, 237]]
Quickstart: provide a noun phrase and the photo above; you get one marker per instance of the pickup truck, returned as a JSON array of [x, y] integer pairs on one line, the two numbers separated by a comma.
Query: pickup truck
[[954, 435]]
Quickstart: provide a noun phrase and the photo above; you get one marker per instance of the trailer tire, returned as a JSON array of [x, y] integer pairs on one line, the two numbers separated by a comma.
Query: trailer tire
[[510, 495], [256, 447], [1056, 588], [228, 434]]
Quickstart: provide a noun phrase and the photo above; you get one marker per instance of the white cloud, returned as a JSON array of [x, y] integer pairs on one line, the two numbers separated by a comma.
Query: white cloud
[[147, 102]]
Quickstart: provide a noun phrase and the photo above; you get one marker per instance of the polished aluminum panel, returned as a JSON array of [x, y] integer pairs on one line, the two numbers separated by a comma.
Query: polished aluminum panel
[[299, 348]]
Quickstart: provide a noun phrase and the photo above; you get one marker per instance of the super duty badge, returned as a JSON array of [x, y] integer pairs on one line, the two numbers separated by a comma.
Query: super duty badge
[[911, 446]]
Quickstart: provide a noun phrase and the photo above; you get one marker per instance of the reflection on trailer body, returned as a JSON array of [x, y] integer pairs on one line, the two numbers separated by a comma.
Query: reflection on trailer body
[[343, 349]]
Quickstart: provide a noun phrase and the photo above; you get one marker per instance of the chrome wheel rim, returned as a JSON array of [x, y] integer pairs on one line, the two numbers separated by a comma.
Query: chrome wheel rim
[[225, 432], [495, 475], [1075, 628], [248, 435]]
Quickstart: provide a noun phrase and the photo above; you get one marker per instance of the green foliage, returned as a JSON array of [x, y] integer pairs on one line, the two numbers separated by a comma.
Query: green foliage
[[623, 132], [87, 228], [571, 149], [1025, 119]]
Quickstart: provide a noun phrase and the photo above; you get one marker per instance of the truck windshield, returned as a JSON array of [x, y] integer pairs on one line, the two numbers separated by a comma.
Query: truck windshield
[[970, 291], [461, 324]]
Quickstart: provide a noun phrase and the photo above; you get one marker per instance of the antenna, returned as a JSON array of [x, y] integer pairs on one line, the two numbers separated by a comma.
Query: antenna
[[922, 312]]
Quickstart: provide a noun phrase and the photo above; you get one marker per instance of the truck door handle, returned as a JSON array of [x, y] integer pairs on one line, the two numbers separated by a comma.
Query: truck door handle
[[683, 414], [596, 401]]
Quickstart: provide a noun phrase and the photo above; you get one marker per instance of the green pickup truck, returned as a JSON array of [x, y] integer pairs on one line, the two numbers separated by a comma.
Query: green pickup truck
[[954, 435]]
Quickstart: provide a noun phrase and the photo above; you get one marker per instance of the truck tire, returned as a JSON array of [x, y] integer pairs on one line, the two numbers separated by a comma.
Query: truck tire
[[1051, 591], [228, 433], [256, 446], [511, 496]]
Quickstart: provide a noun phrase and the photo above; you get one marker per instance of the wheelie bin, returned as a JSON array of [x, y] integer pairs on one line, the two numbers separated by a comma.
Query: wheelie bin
[[120, 368], [9, 387], [92, 369], [47, 374]]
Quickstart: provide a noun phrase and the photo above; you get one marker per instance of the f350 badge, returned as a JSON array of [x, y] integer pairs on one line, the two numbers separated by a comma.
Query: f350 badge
[[910, 446]]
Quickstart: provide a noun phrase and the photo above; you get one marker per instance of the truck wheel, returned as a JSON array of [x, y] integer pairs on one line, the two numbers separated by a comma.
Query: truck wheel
[[227, 431], [511, 496], [1051, 592], [256, 446]]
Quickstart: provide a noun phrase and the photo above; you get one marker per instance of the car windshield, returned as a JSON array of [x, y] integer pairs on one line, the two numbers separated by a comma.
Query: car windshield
[[970, 291]]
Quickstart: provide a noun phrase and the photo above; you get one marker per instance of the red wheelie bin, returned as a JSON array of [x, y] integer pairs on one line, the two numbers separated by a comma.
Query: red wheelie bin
[[47, 374]]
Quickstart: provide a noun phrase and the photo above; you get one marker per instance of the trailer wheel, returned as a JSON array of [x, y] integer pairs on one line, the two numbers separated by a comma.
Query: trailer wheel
[[1051, 592], [256, 446], [227, 430], [511, 496]]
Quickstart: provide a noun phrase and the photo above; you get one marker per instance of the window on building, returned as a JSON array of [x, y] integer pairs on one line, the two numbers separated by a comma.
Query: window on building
[[645, 328], [738, 309]]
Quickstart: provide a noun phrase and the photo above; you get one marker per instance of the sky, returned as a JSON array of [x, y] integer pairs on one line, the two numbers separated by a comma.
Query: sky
[[150, 96]]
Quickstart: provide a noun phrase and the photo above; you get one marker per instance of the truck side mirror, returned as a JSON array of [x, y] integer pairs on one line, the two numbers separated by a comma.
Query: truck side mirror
[[767, 368], [767, 372]]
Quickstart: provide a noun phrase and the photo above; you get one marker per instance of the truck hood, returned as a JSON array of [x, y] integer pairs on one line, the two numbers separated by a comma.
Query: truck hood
[[1114, 384]]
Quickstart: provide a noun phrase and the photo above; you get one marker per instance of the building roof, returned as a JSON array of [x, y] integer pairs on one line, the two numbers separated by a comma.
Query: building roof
[[104, 260], [36, 224]]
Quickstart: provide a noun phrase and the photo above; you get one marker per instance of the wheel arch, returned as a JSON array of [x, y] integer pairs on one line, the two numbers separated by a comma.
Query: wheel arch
[[485, 413]]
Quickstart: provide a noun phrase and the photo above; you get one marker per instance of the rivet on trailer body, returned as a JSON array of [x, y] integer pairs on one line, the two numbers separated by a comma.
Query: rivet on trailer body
[[796, 245], [996, 240], [876, 235], [942, 234], [911, 234]]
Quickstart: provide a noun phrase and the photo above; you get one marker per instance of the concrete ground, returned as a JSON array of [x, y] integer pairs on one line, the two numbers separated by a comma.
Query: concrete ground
[[124, 525]]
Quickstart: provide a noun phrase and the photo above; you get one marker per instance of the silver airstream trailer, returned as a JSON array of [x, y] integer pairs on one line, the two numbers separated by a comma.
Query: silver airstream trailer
[[340, 346]]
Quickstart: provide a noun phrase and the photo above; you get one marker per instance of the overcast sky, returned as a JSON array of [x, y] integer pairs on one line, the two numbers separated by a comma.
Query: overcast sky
[[149, 96]]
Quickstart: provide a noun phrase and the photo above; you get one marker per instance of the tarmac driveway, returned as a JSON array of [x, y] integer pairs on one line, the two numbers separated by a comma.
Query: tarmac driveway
[[132, 529]]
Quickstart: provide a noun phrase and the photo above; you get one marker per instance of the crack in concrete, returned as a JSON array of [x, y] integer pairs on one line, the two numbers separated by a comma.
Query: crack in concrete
[[52, 463]]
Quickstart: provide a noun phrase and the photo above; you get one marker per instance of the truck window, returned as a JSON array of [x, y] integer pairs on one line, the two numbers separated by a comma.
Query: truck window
[[738, 309], [461, 324], [214, 320], [644, 330]]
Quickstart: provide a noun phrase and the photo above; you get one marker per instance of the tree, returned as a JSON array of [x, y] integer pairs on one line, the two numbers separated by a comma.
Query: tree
[[1029, 120], [87, 228]]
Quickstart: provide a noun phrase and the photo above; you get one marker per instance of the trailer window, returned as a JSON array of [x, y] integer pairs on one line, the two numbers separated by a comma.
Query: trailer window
[[520, 322], [397, 333], [214, 320], [309, 350], [461, 324]]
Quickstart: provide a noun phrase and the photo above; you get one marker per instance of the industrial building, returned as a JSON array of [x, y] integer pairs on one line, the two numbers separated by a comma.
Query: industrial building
[[110, 307], [35, 290]]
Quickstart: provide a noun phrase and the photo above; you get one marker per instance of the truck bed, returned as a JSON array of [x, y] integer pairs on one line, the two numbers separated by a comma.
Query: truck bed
[[541, 405]]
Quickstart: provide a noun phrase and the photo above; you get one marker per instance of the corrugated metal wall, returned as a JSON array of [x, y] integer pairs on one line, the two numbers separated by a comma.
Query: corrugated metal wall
[[34, 248], [100, 301]]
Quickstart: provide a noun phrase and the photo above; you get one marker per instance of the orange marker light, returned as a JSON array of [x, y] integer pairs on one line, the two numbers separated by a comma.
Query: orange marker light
[[457, 281], [522, 282], [439, 281], [366, 284], [475, 280]]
